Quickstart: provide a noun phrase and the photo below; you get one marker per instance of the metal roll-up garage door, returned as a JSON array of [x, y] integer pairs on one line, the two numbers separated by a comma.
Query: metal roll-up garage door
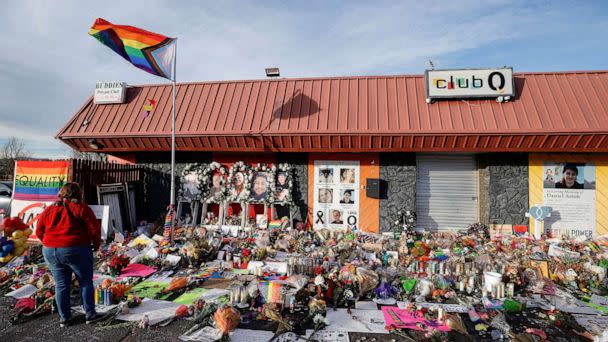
[[446, 191]]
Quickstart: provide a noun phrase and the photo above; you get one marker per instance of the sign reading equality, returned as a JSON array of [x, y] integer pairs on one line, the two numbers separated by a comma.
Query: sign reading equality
[[39, 180], [469, 83]]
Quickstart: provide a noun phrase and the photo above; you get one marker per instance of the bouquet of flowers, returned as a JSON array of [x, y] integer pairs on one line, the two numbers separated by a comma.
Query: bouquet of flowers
[[117, 264]]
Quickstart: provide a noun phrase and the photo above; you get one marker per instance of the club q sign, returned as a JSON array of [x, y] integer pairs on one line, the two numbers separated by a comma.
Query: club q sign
[[469, 83]]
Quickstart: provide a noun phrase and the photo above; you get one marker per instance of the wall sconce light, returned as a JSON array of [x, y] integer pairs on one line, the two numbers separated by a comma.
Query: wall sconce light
[[93, 144]]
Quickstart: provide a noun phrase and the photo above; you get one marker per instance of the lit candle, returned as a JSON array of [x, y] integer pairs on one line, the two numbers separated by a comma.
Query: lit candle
[[510, 290]]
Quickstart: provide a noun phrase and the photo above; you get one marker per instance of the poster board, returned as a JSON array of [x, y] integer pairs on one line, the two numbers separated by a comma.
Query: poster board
[[336, 196], [29, 211], [102, 213], [537, 174], [570, 190]]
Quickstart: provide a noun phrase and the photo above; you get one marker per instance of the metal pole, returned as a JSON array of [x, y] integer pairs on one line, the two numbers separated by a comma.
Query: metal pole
[[172, 202]]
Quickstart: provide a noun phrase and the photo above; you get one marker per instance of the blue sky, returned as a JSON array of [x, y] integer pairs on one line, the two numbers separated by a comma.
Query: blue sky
[[49, 64]]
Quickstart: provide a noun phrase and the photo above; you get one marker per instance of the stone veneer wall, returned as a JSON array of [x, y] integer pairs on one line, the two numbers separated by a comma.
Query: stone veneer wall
[[398, 170], [507, 195]]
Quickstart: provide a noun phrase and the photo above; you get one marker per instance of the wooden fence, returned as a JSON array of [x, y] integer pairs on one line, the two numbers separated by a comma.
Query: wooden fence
[[152, 186], [89, 174]]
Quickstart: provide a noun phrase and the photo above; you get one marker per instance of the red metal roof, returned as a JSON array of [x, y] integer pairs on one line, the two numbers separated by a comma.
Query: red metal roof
[[556, 111]]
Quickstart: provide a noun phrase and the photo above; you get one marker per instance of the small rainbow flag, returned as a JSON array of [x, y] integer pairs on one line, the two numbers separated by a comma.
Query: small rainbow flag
[[168, 221], [39, 180], [149, 51]]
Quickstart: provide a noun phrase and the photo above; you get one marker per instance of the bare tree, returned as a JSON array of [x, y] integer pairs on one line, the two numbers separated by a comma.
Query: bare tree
[[13, 148]]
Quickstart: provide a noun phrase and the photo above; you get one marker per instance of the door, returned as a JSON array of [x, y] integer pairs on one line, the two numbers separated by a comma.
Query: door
[[446, 191]]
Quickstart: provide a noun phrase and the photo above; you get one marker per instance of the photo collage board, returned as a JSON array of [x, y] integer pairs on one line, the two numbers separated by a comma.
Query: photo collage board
[[336, 194]]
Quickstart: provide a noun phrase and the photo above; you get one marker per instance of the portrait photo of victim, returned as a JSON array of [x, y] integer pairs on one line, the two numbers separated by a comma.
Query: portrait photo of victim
[[325, 195], [347, 196], [347, 176], [326, 175], [190, 186], [259, 186], [282, 186], [238, 184], [216, 184], [336, 217]]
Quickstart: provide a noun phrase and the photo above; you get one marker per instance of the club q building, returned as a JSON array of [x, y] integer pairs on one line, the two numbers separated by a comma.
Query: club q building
[[455, 146]]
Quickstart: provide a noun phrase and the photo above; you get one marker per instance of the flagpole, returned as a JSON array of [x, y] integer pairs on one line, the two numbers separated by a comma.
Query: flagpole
[[172, 202]]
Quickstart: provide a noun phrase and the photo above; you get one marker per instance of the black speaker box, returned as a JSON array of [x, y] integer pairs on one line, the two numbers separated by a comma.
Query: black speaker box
[[375, 188]]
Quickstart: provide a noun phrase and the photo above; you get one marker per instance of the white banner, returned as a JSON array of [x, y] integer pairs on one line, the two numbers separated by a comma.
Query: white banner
[[336, 194], [569, 190]]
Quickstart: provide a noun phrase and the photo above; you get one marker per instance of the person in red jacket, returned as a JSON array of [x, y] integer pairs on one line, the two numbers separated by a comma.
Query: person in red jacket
[[69, 233]]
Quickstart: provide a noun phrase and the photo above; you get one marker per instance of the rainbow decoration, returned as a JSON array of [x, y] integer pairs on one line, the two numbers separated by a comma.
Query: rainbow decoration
[[275, 293], [149, 107], [39, 180], [168, 220], [151, 52]]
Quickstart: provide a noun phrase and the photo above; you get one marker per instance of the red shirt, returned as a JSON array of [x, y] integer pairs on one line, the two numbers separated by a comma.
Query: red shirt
[[57, 229]]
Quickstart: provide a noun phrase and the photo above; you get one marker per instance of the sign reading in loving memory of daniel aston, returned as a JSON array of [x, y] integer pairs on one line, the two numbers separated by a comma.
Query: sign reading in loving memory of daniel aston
[[469, 83], [569, 189], [336, 194]]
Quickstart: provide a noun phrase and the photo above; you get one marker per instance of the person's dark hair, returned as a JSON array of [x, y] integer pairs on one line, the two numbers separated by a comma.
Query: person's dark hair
[[571, 167], [325, 171], [350, 192], [70, 191]]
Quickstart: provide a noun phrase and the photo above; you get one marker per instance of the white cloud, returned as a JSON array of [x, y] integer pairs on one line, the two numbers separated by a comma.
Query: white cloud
[[49, 64]]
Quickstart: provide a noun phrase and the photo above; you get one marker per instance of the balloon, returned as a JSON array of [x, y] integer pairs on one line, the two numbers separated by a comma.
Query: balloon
[[7, 248], [6, 258]]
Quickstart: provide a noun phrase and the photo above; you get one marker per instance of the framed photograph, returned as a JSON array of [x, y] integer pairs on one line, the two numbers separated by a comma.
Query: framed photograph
[[187, 213], [190, 187], [326, 175], [282, 187], [238, 182], [325, 195]]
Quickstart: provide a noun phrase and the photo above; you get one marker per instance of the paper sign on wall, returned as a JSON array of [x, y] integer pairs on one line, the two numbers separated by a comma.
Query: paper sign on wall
[[569, 189], [336, 194]]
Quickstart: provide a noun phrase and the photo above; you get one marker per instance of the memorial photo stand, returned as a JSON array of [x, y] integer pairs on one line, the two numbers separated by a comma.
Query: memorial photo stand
[[229, 225], [207, 214], [187, 213]]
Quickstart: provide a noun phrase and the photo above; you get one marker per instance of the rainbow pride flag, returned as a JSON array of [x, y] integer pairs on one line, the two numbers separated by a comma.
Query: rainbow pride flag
[[146, 50], [39, 180]]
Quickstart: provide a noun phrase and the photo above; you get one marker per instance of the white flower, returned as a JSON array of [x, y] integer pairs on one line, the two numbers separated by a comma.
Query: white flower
[[319, 319]]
